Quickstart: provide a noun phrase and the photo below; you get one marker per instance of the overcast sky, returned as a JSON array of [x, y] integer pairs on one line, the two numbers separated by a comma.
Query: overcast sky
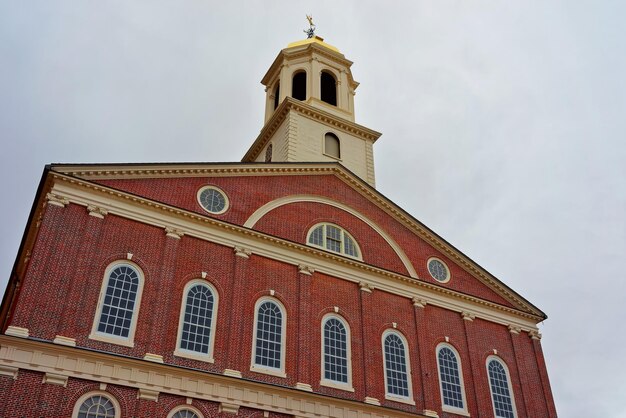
[[504, 130]]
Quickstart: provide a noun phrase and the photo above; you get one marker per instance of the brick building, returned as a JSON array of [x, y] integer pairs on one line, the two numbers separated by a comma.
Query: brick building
[[284, 285]]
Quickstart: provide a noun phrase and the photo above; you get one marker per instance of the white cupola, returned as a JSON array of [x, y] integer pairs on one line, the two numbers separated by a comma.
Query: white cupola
[[309, 111]]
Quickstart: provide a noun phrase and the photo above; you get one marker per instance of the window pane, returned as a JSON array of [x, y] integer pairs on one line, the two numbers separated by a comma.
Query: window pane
[[317, 236], [333, 238], [97, 407], [119, 302], [335, 351], [450, 378], [196, 330], [501, 394], [269, 336], [185, 413], [395, 366]]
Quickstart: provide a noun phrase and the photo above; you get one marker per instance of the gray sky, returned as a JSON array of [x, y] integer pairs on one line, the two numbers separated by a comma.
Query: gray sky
[[503, 130]]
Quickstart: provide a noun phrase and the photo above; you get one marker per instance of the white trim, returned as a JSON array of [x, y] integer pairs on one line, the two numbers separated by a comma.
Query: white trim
[[347, 386], [79, 402], [266, 208], [393, 396], [448, 274], [444, 407], [211, 187], [109, 338], [180, 352], [185, 408], [508, 382], [343, 232], [274, 371]]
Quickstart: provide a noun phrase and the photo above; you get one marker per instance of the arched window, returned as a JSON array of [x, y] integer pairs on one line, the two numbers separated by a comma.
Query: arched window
[[336, 367], [298, 86], [333, 238], [196, 326], [329, 88], [332, 146], [451, 379], [118, 305], [96, 405], [277, 95], [185, 411], [396, 364], [269, 337], [500, 385]]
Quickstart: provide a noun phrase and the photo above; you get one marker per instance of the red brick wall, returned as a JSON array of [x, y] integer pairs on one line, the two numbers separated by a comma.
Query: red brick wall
[[63, 281], [248, 193]]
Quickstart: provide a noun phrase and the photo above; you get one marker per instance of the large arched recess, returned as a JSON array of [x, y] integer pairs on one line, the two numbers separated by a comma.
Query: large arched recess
[[268, 207]]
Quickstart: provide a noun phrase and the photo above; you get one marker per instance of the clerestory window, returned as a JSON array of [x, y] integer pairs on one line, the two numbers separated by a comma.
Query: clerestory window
[[333, 238]]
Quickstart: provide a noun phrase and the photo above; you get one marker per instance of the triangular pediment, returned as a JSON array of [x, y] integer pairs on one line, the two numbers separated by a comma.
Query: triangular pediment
[[128, 177]]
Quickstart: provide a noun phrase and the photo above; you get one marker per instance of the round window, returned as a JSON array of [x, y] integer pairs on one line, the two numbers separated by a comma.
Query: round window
[[213, 200], [438, 270]]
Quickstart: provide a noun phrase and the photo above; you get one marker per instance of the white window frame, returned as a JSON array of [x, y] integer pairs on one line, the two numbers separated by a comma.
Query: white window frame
[[211, 187], [258, 368], [448, 274], [508, 381], [109, 338], [347, 386], [323, 247], [444, 407], [79, 402], [180, 352], [183, 408], [392, 396]]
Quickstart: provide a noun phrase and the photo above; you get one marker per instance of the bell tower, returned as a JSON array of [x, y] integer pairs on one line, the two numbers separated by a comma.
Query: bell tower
[[309, 111]]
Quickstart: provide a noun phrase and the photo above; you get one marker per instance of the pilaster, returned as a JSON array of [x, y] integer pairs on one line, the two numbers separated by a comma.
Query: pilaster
[[304, 277], [369, 365], [236, 359]]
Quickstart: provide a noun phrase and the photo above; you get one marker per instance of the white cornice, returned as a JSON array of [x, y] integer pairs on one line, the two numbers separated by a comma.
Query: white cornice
[[173, 170], [311, 112], [59, 363], [191, 224]]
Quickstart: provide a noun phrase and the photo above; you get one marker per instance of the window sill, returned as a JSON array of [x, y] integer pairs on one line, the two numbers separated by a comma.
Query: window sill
[[453, 410], [336, 385], [193, 355], [332, 156], [126, 342], [400, 399], [264, 370]]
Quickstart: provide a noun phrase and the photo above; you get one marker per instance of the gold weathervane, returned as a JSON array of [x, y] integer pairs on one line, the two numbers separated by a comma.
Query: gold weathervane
[[310, 32]]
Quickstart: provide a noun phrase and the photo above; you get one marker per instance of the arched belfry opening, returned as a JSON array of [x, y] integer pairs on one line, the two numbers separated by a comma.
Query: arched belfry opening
[[276, 95], [298, 86], [329, 88], [332, 145]]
